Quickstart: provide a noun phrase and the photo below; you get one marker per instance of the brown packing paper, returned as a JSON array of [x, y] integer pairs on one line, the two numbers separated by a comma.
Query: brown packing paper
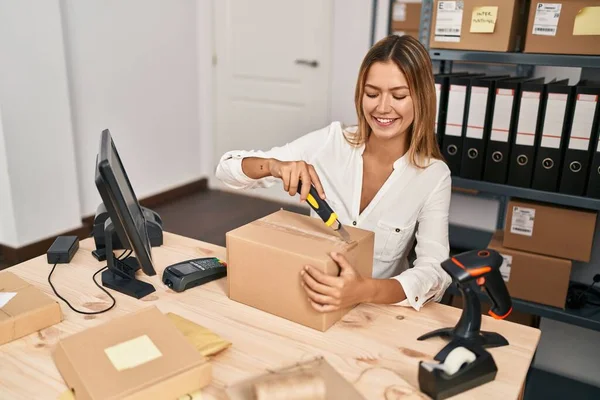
[[29, 311], [336, 387], [265, 258]]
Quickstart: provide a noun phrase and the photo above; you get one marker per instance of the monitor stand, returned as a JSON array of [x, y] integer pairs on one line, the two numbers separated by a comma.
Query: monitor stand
[[120, 275]]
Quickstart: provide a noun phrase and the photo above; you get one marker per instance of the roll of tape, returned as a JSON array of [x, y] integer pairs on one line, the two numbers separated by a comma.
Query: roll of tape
[[456, 359]]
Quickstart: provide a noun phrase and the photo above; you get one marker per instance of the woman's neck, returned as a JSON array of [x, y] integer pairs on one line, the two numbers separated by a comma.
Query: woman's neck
[[387, 150]]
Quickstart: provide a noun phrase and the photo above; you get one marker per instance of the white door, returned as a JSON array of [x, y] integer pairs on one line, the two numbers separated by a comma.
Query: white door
[[272, 74]]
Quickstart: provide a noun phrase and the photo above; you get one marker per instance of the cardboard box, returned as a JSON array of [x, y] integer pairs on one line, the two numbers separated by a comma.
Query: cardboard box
[[533, 277], [550, 230], [486, 25], [141, 355], [265, 258], [28, 311], [564, 27], [406, 15]]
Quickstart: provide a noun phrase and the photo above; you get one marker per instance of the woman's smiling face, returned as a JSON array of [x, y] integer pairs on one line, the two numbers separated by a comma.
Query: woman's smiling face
[[387, 104]]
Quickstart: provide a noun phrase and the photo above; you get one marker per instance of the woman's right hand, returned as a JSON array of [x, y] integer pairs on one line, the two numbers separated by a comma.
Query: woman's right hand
[[290, 172]]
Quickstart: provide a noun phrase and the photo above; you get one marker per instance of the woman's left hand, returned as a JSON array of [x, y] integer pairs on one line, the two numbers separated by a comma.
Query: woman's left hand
[[330, 293]]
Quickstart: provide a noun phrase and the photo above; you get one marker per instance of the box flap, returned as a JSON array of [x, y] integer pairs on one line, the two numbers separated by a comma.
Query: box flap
[[10, 282], [298, 234], [85, 354], [27, 299]]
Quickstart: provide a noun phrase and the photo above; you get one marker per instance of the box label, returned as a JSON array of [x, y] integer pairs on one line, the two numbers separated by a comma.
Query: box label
[[448, 21], [505, 267], [5, 297], [483, 19], [586, 22], [132, 353], [546, 19], [522, 221]]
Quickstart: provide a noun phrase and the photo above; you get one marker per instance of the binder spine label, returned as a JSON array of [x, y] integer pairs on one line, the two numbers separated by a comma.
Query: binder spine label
[[456, 110], [583, 118], [502, 115], [448, 21], [438, 93], [556, 106], [477, 108], [530, 102], [522, 221], [546, 19]]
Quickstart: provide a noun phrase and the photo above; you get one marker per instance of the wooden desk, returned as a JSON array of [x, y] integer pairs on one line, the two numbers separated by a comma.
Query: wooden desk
[[374, 347]]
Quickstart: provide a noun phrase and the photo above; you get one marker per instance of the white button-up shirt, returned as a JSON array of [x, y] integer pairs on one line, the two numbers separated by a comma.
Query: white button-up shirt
[[412, 204]]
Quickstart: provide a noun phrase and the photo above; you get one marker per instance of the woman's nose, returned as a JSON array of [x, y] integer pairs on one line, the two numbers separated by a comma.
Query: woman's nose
[[383, 106]]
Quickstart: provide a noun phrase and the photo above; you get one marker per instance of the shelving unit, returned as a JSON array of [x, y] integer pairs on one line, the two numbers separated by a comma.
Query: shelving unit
[[463, 237]]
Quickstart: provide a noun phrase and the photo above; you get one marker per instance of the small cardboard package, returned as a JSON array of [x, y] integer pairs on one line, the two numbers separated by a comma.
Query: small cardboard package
[[141, 355], [564, 27], [24, 309], [486, 25], [533, 277], [266, 256], [550, 230], [406, 15]]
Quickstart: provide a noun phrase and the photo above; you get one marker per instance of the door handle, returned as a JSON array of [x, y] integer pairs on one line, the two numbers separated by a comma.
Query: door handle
[[310, 63]]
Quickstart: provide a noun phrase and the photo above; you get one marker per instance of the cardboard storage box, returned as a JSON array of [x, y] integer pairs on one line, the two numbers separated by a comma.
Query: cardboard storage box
[[550, 230], [534, 277], [141, 355], [265, 258], [486, 25], [406, 15], [564, 27], [27, 311]]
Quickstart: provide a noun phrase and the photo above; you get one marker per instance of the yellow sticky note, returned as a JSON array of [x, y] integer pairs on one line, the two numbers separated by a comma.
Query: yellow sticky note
[[192, 396], [132, 353], [483, 19], [587, 22], [66, 395]]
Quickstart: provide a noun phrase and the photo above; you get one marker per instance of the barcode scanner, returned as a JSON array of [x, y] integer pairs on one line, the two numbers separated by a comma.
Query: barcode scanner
[[483, 268]]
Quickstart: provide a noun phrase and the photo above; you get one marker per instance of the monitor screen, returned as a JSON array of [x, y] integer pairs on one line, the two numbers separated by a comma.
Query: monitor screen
[[121, 203]]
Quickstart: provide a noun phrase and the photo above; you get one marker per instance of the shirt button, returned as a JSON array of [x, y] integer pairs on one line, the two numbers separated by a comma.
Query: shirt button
[[354, 223], [397, 230], [417, 298]]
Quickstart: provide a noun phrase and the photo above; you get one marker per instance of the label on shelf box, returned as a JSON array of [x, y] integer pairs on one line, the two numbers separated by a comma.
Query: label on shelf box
[[546, 19], [522, 221], [505, 267], [448, 21]]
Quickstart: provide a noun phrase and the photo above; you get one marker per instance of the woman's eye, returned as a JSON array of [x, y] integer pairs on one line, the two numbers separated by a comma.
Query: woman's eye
[[372, 96], [399, 97]]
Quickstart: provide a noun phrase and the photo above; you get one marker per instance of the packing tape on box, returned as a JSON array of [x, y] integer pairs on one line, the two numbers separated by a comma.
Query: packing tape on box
[[303, 386], [294, 230]]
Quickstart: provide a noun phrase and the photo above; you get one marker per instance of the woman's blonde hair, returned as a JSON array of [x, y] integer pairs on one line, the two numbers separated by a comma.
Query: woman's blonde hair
[[414, 62]]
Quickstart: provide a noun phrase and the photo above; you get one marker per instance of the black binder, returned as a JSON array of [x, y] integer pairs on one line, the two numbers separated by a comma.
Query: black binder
[[593, 187], [442, 85], [479, 112], [503, 128], [526, 138], [555, 126], [456, 119], [584, 127]]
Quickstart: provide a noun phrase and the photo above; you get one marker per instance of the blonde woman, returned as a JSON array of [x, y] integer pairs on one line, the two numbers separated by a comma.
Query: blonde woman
[[385, 175]]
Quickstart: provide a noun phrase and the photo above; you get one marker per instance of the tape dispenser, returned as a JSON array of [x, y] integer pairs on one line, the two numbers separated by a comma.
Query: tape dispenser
[[464, 368]]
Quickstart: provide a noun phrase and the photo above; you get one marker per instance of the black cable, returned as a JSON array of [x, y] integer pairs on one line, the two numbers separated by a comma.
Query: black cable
[[94, 279]]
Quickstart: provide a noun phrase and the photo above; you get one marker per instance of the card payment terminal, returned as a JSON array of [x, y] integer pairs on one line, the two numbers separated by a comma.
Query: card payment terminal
[[192, 273]]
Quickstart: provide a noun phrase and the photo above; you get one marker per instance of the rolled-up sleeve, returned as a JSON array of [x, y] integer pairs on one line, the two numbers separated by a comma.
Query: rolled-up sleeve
[[427, 281], [229, 170]]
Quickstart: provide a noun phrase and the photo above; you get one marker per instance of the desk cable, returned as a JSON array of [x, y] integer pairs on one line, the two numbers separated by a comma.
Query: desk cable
[[122, 257]]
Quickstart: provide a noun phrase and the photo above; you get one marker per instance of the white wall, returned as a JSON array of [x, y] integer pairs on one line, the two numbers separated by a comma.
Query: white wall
[[133, 68], [8, 231], [350, 42], [36, 120]]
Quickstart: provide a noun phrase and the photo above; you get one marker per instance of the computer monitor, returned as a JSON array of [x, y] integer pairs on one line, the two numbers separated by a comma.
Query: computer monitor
[[126, 219]]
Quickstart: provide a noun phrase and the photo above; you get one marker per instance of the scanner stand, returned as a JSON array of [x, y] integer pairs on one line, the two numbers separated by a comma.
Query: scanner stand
[[467, 332], [439, 385], [154, 227], [120, 275]]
